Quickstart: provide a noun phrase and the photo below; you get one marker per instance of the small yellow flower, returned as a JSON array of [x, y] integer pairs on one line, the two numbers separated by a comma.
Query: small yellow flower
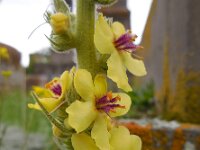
[[114, 40], [59, 23], [53, 93], [4, 53], [6, 73], [96, 105]]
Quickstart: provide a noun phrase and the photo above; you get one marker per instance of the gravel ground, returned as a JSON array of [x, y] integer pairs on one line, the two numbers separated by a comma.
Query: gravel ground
[[14, 138]]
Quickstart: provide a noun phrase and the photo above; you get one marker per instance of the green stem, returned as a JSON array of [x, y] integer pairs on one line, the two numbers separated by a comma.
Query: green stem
[[86, 53]]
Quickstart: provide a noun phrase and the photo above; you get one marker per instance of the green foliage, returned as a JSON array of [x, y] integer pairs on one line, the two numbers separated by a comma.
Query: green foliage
[[142, 101], [14, 112]]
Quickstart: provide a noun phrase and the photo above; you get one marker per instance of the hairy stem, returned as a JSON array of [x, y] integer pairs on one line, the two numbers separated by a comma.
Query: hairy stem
[[86, 52]]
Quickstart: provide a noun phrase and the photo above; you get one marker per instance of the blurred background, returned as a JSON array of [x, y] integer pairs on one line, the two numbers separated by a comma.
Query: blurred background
[[166, 102]]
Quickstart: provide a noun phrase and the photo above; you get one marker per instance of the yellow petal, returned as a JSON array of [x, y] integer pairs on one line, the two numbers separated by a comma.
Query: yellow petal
[[103, 37], [59, 22], [118, 29], [66, 82], [84, 84], [59, 17], [120, 138], [34, 106], [136, 143], [100, 86], [42, 92], [104, 26], [81, 115], [66, 124], [83, 141], [100, 133], [117, 72], [50, 103], [135, 66], [125, 101]]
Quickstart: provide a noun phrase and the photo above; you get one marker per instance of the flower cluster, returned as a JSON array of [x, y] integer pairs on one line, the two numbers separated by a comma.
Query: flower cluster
[[92, 112], [78, 103]]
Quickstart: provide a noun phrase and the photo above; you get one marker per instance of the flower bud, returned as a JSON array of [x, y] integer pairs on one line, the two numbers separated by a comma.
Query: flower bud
[[67, 126], [56, 131], [59, 23]]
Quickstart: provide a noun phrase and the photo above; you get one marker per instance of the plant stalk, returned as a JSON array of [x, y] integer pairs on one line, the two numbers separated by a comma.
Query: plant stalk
[[86, 52]]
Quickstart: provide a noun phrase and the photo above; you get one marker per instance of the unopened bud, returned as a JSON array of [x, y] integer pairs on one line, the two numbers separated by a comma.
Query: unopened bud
[[59, 23], [56, 132]]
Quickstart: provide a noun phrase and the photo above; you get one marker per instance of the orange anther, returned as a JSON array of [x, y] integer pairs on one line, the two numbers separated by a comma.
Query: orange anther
[[122, 107], [109, 95], [118, 98], [113, 111]]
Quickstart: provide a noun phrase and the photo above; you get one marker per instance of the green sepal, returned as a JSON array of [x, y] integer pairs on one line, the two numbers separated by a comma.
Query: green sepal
[[61, 6], [102, 61], [61, 43], [106, 2]]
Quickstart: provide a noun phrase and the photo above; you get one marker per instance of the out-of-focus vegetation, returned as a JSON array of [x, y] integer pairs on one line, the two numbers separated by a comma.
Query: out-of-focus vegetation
[[143, 104], [14, 112]]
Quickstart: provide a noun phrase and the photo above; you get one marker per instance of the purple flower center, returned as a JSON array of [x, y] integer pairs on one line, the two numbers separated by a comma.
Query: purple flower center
[[108, 104], [55, 87], [125, 42]]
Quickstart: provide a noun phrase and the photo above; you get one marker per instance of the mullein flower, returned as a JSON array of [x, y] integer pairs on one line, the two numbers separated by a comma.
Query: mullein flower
[[6, 73], [83, 141], [54, 92], [115, 40], [4, 53], [59, 23], [95, 106]]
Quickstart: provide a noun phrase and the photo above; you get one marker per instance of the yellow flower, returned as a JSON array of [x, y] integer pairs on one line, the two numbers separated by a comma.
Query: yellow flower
[[53, 93], [114, 40], [59, 23], [83, 141], [4, 53], [6, 73], [96, 105]]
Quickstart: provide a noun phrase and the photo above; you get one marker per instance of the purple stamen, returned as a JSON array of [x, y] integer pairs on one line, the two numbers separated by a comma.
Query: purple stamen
[[102, 100], [125, 42], [114, 100], [107, 103], [128, 46], [56, 89], [123, 39]]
